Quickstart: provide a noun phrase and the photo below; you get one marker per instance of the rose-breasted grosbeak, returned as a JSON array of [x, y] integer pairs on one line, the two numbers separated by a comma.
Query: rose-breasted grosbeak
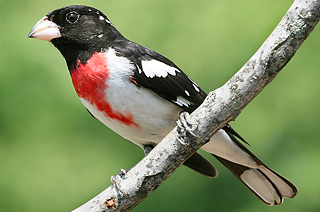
[[139, 94]]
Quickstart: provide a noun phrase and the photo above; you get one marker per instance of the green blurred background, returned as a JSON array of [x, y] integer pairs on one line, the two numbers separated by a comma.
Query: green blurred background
[[54, 156]]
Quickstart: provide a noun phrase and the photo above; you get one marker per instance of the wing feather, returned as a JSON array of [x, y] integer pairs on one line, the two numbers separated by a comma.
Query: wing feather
[[162, 76]]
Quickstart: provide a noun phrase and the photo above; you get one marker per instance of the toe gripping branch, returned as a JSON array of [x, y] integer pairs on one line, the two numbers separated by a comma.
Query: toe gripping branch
[[185, 126], [122, 175]]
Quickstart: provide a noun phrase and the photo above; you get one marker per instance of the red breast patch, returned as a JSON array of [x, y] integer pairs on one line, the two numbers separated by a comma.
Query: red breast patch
[[89, 81]]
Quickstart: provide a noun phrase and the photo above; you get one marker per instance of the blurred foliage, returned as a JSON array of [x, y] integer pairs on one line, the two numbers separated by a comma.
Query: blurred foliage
[[54, 156]]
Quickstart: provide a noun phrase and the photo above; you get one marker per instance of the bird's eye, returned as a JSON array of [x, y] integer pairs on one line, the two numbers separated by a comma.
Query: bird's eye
[[72, 17]]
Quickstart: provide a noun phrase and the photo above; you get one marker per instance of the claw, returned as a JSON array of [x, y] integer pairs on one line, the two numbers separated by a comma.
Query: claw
[[181, 140], [125, 172], [184, 122], [113, 180]]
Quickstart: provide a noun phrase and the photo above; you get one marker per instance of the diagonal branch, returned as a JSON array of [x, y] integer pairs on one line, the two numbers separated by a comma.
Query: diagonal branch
[[221, 106]]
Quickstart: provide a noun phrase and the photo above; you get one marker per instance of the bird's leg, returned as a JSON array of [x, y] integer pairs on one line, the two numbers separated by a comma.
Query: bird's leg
[[185, 125], [147, 149]]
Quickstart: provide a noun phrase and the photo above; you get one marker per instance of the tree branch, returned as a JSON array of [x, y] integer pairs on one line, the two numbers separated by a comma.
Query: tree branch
[[221, 106]]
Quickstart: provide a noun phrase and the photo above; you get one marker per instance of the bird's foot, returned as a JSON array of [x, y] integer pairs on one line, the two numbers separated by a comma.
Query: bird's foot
[[185, 125], [121, 175]]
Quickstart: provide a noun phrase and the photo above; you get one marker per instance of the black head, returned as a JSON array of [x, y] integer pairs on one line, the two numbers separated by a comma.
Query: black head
[[84, 25], [75, 30]]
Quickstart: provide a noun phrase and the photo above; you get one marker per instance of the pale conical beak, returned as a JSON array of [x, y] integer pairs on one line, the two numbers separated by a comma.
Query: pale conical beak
[[45, 29]]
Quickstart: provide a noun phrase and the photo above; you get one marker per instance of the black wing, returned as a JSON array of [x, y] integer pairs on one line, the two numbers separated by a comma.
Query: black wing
[[162, 76], [177, 88]]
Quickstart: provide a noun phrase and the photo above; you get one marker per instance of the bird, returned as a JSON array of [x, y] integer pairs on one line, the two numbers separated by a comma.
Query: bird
[[140, 94]]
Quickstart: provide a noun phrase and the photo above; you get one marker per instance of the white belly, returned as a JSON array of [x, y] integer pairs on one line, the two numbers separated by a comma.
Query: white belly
[[155, 116]]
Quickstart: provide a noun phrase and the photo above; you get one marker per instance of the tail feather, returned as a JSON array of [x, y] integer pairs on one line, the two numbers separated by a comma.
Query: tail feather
[[266, 184], [286, 188]]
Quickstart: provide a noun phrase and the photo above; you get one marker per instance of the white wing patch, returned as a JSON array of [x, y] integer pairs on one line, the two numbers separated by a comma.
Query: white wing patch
[[155, 68], [109, 22], [195, 86], [182, 101]]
